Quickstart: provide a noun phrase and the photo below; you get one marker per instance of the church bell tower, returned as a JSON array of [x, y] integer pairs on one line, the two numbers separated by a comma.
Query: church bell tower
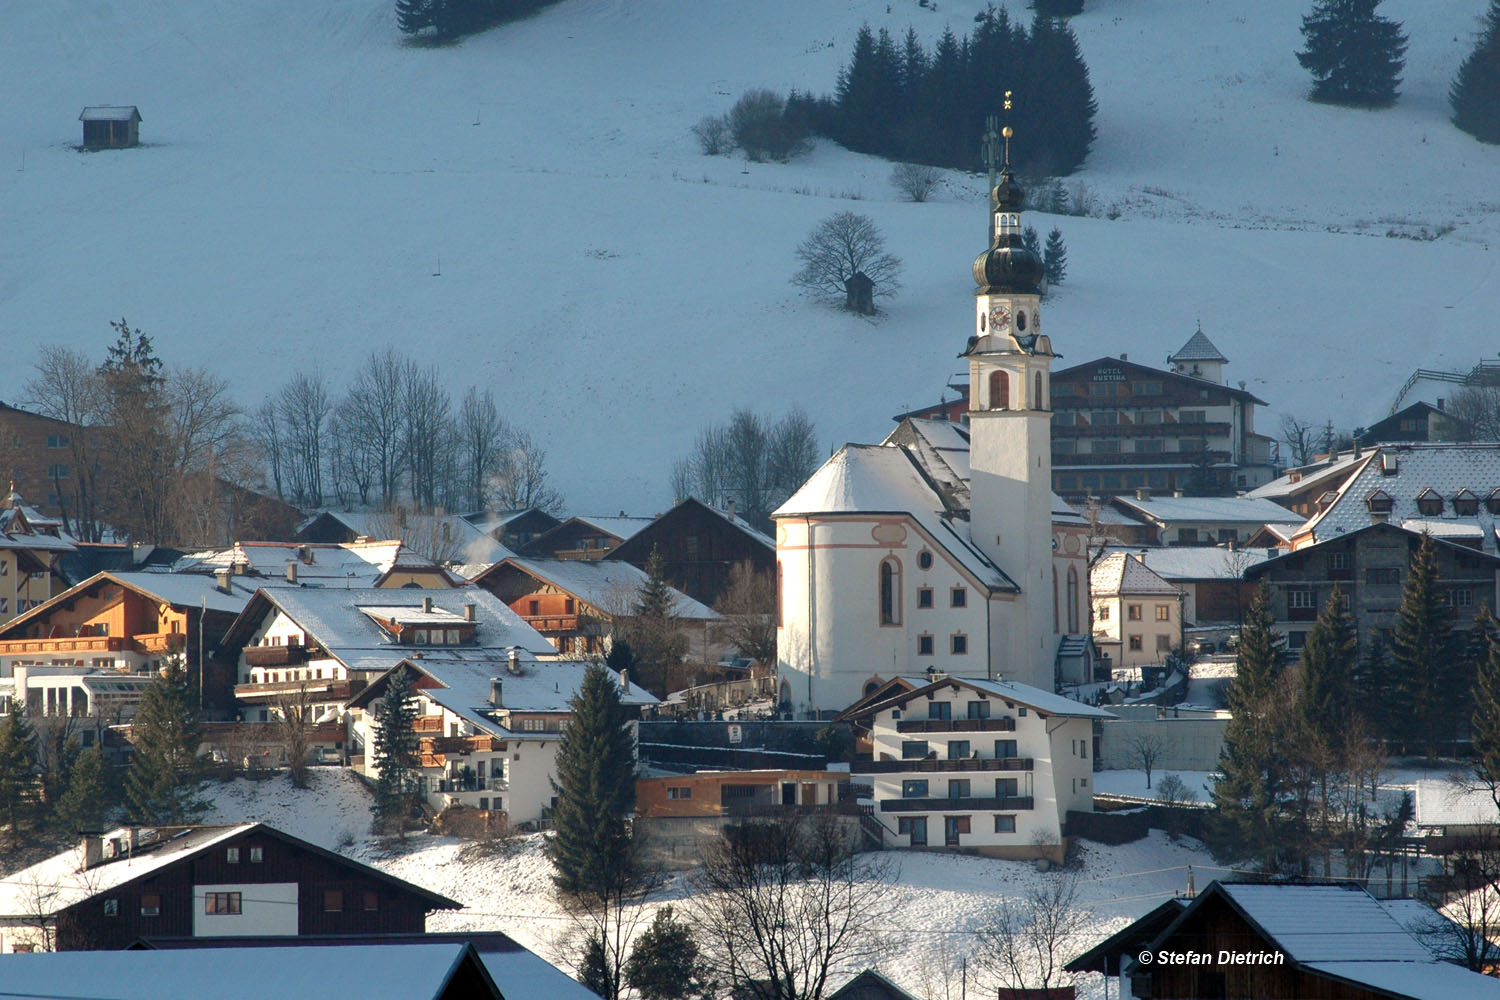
[[1010, 419]]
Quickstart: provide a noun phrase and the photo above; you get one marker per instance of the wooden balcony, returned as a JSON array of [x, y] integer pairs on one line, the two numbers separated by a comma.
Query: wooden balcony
[[925, 765], [275, 656], [160, 642], [552, 623], [1002, 724], [1007, 803], [460, 745], [72, 644], [318, 689]]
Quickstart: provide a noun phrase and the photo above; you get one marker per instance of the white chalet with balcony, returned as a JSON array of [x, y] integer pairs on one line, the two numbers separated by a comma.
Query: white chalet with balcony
[[984, 765]]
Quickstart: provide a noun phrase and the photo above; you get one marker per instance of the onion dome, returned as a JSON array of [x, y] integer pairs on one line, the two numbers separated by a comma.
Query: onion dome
[[1007, 266]]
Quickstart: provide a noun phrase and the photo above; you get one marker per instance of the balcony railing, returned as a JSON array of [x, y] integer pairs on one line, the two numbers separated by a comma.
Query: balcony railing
[[322, 689], [1000, 724], [160, 642], [74, 644], [552, 623], [959, 764], [275, 656], [460, 745], [1006, 803], [476, 784]]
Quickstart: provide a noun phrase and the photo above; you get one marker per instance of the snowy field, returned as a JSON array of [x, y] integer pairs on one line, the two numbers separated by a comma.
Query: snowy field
[[528, 210]]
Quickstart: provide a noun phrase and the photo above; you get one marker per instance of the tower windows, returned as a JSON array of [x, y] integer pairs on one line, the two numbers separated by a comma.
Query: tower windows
[[1021, 320], [890, 596], [1037, 403], [1072, 600], [999, 391]]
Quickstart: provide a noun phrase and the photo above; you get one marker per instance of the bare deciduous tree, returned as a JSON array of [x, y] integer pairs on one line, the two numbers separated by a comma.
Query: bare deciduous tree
[[838, 248], [1144, 748], [748, 608], [1476, 409], [756, 462], [1027, 939], [482, 439], [67, 388], [1300, 437], [294, 722], [427, 430], [714, 135], [303, 407], [523, 478], [915, 180], [787, 904], [374, 418]]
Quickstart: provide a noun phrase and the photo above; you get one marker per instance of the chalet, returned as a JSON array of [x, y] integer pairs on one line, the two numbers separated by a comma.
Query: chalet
[[736, 794], [32, 546], [1238, 939], [699, 547], [1370, 566], [1421, 421], [201, 881], [448, 539], [1300, 489], [514, 528], [987, 765], [585, 537], [92, 650], [386, 565], [488, 729], [1138, 616], [575, 602], [331, 642], [871, 985], [420, 971], [110, 127], [1119, 426], [1211, 580]]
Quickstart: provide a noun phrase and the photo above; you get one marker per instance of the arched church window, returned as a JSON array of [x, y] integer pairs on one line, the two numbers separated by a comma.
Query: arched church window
[[1036, 393], [999, 391], [1021, 320], [890, 587], [1072, 600]]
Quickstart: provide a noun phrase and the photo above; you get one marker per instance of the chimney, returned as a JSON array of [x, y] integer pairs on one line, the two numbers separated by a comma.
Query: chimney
[[1356, 449], [731, 510], [1123, 357], [513, 661], [221, 580], [291, 571], [426, 605], [471, 612], [1442, 403], [625, 678], [93, 849], [495, 700], [1177, 494], [1143, 493], [305, 553]]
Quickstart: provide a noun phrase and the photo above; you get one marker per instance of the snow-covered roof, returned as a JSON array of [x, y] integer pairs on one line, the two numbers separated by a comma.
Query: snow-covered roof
[[452, 532], [1403, 472], [604, 583], [360, 564], [1327, 923], [188, 590], [370, 971], [1237, 510], [25, 527], [1198, 348], [1329, 472], [622, 526], [340, 621], [1024, 694], [1444, 529], [885, 479], [1123, 573], [109, 113], [1450, 803], [62, 881], [1193, 562], [1431, 980]]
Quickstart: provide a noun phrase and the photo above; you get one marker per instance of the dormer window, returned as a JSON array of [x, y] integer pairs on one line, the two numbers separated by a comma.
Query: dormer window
[[1492, 502], [1429, 502], [1379, 502], [1465, 503], [419, 636]]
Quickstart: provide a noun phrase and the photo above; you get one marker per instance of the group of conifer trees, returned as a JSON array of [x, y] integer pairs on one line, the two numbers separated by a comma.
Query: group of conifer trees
[[903, 102], [449, 19]]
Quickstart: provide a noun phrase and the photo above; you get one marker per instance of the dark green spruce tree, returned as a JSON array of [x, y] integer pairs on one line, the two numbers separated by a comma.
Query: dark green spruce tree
[[1055, 105], [1031, 241], [1475, 94], [414, 15], [1055, 258], [595, 788], [665, 962], [1484, 723], [1355, 56], [19, 787], [397, 782], [1248, 795], [1329, 658], [654, 631], [161, 785], [92, 794], [1423, 653]]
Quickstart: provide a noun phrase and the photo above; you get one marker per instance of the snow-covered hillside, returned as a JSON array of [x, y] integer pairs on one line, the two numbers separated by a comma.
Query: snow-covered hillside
[[528, 210]]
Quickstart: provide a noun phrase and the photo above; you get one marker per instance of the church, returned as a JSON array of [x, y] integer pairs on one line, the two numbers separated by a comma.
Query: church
[[943, 550]]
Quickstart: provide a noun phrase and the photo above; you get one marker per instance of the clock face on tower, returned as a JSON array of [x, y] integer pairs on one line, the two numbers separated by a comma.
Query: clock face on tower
[[999, 318]]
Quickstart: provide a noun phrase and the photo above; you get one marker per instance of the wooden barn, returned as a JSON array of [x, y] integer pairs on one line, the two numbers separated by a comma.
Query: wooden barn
[[111, 127]]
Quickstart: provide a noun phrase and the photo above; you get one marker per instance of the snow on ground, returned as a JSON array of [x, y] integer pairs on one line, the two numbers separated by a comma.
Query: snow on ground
[[1133, 783], [528, 210]]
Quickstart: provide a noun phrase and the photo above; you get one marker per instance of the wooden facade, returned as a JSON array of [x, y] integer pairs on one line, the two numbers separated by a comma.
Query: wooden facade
[[699, 548], [367, 900], [107, 127]]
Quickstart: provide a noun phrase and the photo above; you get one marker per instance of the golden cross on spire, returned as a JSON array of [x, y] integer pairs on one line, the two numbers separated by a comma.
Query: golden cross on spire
[[1006, 131]]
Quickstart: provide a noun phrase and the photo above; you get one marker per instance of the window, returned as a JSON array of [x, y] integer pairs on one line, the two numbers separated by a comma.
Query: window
[[979, 710], [924, 559], [913, 749], [914, 827], [1136, 644], [958, 749], [1296, 640], [1107, 446], [890, 601], [232, 856], [1005, 748], [958, 788], [1383, 574], [419, 636], [1005, 824], [150, 904], [924, 597], [914, 789], [1134, 612], [1163, 612], [222, 903], [959, 597], [1163, 643], [1300, 597], [1192, 416], [999, 391], [371, 901], [536, 608], [1461, 597], [1430, 504], [1187, 536], [58, 471], [333, 901], [679, 791], [1150, 445], [111, 907], [924, 645], [57, 440], [1006, 787], [940, 710], [958, 645], [1064, 419], [1036, 395], [1103, 613], [256, 855], [1064, 447], [1339, 562]]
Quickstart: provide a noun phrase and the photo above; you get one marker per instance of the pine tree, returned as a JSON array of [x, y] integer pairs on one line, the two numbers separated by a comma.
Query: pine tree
[[92, 794], [1355, 55], [1055, 258], [1329, 656], [1247, 795], [1475, 94], [664, 963], [414, 15], [162, 783], [1422, 651], [1031, 241], [858, 96], [1055, 110], [595, 788], [18, 777], [397, 795], [654, 631], [1484, 723]]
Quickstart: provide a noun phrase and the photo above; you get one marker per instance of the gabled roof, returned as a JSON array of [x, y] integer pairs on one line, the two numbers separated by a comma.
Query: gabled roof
[[1227, 510], [1413, 537], [1105, 956], [360, 564], [1198, 348], [472, 548], [1326, 474], [870, 985], [1146, 372], [183, 591], [1044, 702], [606, 584], [1122, 573], [1194, 562], [109, 113]]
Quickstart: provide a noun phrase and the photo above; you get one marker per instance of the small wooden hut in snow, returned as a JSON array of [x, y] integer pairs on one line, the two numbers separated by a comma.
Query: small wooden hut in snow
[[109, 127]]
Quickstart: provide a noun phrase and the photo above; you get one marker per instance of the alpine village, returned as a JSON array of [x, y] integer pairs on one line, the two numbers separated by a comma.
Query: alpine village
[[432, 564]]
